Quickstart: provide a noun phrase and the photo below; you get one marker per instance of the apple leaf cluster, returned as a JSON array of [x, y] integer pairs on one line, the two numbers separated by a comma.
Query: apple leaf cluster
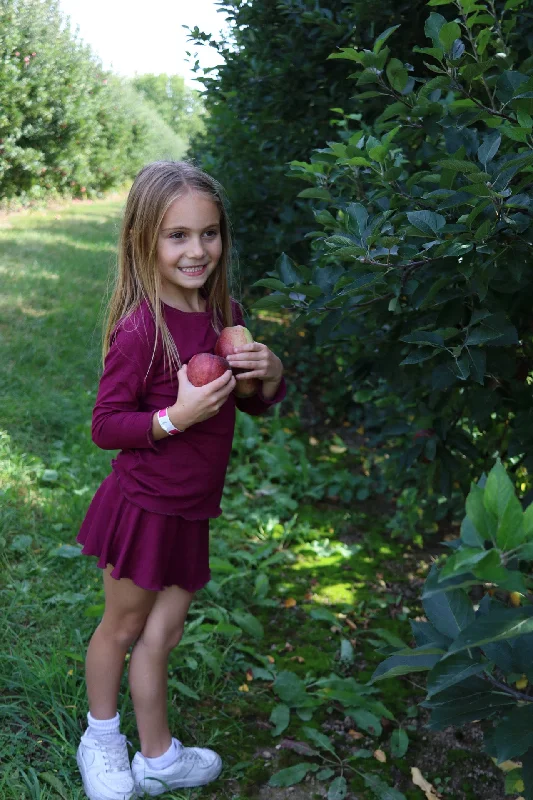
[[421, 269], [479, 655], [270, 101], [67, 126]]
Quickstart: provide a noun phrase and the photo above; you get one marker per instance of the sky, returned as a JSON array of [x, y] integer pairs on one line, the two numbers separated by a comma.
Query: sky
[[139, 36]]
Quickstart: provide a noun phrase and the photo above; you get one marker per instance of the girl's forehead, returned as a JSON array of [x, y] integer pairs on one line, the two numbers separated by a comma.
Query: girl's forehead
[[192, 209]]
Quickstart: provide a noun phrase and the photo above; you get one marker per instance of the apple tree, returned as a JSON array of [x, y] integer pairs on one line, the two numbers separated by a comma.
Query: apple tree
[[420, 272]]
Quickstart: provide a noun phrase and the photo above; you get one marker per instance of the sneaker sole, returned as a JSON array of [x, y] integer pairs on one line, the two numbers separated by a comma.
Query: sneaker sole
[[89, 792], [179, 784]]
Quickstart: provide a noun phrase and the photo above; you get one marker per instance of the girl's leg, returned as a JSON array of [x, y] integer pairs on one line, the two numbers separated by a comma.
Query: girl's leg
[[148, 670], [127, 607]]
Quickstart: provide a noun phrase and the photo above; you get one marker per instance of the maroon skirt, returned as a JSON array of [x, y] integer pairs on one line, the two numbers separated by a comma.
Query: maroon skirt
[[152, 550]]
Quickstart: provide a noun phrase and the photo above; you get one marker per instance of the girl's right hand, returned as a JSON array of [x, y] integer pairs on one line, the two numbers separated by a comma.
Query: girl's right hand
[[196, 403]]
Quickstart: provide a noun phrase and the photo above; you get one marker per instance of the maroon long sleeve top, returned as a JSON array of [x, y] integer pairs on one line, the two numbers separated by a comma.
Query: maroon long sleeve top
[[183, 474]]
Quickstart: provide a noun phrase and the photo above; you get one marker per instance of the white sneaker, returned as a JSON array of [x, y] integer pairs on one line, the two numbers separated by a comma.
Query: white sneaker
[[194, 766], [105, 769]]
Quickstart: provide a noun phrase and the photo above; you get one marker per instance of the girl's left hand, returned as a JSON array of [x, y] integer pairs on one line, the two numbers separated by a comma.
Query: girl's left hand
[[261, 362]]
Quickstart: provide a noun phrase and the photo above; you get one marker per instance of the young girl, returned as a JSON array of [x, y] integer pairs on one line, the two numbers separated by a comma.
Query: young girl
[[148, 523]]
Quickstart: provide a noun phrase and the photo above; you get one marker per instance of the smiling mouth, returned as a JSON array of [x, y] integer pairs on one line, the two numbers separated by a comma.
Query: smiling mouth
[[193, 270]]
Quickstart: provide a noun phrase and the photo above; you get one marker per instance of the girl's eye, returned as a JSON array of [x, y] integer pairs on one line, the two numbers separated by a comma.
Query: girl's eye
[[212, 233]]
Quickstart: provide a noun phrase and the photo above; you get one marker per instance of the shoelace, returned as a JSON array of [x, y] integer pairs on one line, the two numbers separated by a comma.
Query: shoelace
[[115, 757]]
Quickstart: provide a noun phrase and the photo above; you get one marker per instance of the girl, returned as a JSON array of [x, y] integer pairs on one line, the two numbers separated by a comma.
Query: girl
[[148, 523]]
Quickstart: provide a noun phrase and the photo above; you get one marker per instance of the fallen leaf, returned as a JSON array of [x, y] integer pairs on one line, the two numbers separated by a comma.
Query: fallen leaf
[[380, 756], [290, 602], [422, 783], [301, 748], [355, 734], [337, 449], [289, 647], [335, 629], [249, 675], [309, 596], [351, 624], [271, 659], [244, 688], [313, 441], [507, 766], [299, 659]]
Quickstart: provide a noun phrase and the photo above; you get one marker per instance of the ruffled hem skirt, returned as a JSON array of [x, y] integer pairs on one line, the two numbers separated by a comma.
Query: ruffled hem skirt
[[152, 550]]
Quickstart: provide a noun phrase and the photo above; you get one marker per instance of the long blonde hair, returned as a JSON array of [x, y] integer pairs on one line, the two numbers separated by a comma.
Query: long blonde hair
[[154, 189]]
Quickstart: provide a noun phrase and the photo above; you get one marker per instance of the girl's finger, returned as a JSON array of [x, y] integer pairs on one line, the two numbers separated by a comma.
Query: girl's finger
[[254, 374]]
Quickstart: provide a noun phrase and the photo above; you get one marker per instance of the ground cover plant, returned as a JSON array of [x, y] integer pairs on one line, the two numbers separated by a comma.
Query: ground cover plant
[[309, 592]]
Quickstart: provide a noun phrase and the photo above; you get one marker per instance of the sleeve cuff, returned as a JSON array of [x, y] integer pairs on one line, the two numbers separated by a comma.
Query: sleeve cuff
[[281, 391]]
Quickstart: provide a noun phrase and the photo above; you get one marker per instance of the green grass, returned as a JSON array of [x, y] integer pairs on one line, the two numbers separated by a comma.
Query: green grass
[[280, 554]]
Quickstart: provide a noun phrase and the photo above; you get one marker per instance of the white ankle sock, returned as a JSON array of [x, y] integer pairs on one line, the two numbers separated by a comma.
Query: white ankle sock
[[165, 760], [110, 728]]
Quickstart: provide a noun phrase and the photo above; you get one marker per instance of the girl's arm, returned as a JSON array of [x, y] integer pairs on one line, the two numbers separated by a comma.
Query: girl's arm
[[272, 390], [117, 422]]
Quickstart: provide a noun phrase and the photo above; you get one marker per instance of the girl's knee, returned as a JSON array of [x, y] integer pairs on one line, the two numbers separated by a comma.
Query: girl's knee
[[161, 639], [125, 630]]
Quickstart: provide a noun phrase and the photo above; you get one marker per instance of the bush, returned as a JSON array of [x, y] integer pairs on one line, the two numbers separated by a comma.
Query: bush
[[477, 642], [420, 273]]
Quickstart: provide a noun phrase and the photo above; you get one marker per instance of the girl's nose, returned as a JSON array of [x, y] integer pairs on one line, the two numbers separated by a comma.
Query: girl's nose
[[195, 249]]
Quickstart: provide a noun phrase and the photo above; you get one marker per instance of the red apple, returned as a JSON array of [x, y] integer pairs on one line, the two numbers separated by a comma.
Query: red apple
[[232, 337], [204, 368]]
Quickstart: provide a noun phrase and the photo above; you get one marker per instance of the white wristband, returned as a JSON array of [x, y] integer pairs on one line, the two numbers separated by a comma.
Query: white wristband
[[166, 423]]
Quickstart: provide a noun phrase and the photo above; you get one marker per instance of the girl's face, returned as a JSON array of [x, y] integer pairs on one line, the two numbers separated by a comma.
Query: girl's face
[[189, 246]]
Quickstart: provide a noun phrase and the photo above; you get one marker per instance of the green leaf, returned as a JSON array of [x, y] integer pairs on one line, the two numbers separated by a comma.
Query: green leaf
[[287, 270], [498, 490], [417, 660], [456, 165], [513, 735], [423, 337], [365, 720], [427, 221], [489, 148], [248, 623], [325, 615], [317, 193], [482, 520], [338, 789], [449, 612], [290, 776], [448, 33], [55, 783], [270, 283], [319, 739], [397, 75], [347, 655], [381, 790], [501, 624], [290, 689], [432, 28], [466, 701], [466, 559], [358, 217], [280, 717], [399, 743], [382, 38], [183, 689], [453, 669], [273, 301], [325, 774]]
